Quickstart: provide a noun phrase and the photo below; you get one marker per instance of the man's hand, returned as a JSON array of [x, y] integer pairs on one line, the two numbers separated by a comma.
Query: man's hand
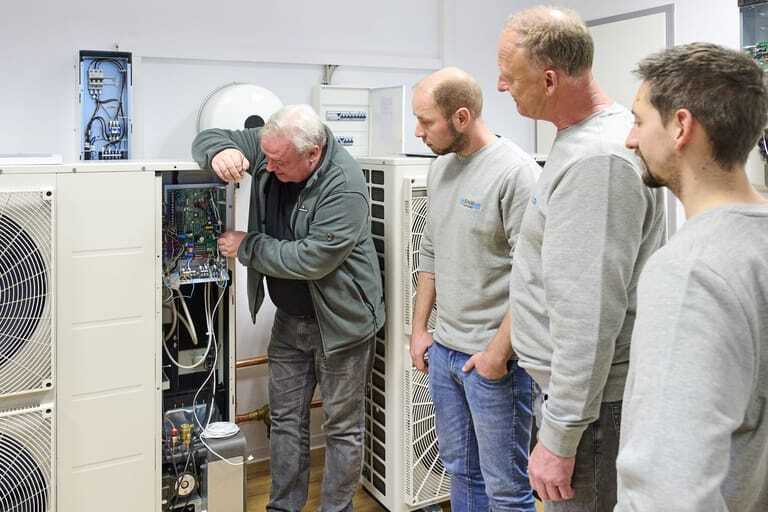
[[488, 364], [229, 243], [230, 164], [551, 474], [420, 342]]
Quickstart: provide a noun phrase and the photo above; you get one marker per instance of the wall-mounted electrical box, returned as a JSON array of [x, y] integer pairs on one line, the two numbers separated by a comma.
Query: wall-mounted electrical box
[[365, 120], [754, 41], [105, 91]]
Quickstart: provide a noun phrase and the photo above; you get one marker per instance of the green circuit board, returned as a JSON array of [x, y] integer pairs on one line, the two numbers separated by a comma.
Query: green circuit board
[[193, 220]]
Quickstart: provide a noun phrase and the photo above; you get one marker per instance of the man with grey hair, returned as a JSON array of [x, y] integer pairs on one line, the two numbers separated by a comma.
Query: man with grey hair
[[478, 190], [309, 236], [589, 229], [694, 435]]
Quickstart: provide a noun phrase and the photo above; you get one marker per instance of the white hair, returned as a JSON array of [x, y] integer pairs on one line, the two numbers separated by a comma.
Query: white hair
[[300, 124]]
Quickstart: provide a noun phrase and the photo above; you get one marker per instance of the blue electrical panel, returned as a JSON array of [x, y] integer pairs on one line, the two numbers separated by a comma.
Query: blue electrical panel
[[105, 105]]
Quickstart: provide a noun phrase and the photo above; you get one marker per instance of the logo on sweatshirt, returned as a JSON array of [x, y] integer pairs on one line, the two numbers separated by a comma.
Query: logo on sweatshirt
[[468, 203], [534, 200]]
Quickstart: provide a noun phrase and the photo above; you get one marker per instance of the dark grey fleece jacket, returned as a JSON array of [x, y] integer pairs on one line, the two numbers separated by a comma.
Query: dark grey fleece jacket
[[332, 251]]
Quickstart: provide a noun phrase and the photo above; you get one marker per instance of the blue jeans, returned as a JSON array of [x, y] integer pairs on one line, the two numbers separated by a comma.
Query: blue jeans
[[297, 364], [483, 431]]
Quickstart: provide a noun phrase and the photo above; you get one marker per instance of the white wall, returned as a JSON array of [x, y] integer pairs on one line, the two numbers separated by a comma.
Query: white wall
[[716, 21], [183, 52], [475, 27], [172, 91], [187, 51]]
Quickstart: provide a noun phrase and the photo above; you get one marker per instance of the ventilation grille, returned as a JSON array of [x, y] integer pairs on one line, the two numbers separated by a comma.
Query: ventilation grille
[[26, 291], [375, 451], [26, 460], [426, 478], [415, 209]]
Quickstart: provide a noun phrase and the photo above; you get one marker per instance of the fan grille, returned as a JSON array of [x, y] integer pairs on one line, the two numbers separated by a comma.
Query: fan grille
[[26, 248], [419, 209], [427, 480], [25, 460]]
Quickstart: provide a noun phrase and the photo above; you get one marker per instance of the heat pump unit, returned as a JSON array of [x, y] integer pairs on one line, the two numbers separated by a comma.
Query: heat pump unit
[[82, 324], [402, 467], [27, 341], [26, 291], [26, 459]]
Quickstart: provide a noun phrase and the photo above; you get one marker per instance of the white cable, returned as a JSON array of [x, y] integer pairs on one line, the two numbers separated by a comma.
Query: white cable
[[186, 324], [174, 322], [207, 348], [190, 326], [221, 430], [209, 322], [187, 367]]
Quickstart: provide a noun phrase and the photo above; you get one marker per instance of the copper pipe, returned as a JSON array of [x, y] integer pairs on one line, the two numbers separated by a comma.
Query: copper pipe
[[251, 361], [262, 413], [259, 414]]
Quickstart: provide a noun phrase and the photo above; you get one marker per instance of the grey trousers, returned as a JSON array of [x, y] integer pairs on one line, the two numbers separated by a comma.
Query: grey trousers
[[296, 365], [594, 476]]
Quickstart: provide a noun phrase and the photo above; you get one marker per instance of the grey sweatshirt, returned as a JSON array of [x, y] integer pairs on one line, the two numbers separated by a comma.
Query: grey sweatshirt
[[590, 227], [694, 431], [476, 204]]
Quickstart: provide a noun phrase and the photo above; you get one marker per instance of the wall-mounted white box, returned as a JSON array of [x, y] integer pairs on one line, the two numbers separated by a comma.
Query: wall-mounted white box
[[366, 120]]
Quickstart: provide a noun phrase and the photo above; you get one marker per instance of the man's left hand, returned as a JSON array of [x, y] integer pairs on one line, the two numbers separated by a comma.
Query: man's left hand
[[489, 365], [551, 474], [229, 243]]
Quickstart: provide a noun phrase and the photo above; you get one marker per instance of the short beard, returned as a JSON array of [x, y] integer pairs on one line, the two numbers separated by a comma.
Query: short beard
[[653, 181], [649, 179], [459, 142]]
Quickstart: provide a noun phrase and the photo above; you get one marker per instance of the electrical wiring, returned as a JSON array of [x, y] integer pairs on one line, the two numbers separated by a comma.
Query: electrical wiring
[[174, 323], [118, 118], [209, 322], [190, 326], [186, 325]]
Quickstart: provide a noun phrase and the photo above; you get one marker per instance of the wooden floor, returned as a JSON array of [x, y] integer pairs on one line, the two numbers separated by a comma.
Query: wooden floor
[[258, 488]]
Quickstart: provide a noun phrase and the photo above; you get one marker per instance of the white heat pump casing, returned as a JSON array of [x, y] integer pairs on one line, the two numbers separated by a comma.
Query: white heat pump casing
[[401, 464], [106, 396]]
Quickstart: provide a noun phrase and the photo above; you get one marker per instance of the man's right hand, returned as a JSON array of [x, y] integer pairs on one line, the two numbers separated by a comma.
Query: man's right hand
[[420, 342], [230, 164]]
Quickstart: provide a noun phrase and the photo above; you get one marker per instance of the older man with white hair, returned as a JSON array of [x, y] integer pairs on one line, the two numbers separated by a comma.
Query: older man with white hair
[[308, 234]]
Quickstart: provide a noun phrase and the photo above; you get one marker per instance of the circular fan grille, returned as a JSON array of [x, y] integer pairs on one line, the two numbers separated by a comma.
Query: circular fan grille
[[24, 463], [418, 224], [25, 252], [429, 477]]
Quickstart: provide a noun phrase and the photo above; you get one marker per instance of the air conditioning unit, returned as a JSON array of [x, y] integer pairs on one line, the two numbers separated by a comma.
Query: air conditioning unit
[[402, 468], [82, 368]]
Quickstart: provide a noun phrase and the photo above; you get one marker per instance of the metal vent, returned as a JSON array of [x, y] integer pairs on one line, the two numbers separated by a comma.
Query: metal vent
[[415, 208], [26, 460], [426, 478], [26, 291]]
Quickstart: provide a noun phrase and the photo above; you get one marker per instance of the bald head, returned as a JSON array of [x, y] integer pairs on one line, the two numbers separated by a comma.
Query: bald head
[[553, 38], [451, 89]]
